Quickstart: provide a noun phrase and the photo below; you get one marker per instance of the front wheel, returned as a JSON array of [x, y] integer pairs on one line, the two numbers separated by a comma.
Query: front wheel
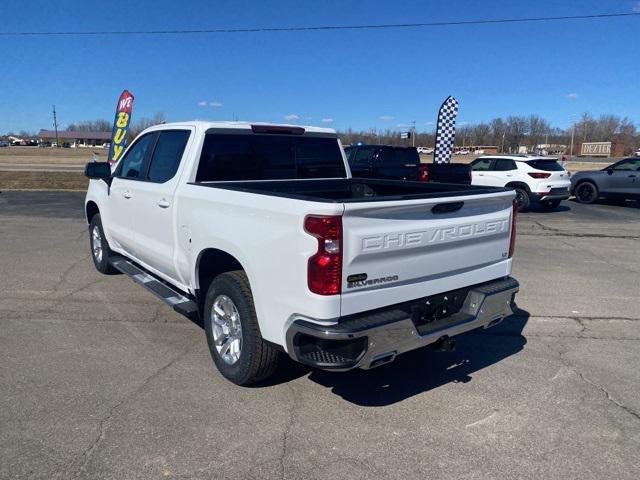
[[522, 199], [586, 192], [100, 251], [549, 205], [233, 335]]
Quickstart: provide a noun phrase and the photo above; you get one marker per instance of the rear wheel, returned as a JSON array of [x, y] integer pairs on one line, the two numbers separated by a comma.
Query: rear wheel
[[233, 335], [549, 204], [522, 199], [586, 192]]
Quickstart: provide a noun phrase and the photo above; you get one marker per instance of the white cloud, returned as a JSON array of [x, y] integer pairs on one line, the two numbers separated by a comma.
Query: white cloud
[[291, 117], [572, 96], [386, 118], [404, 125], [327, 120], [428, 124], [636, 7], [214, 104]]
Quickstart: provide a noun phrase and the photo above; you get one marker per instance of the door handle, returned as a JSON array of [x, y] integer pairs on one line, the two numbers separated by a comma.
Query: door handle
[[164, 203], [126, 195], [632, 176]]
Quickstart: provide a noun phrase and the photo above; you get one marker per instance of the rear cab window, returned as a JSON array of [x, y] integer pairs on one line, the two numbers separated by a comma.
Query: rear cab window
[[548, 165], [240, 156]]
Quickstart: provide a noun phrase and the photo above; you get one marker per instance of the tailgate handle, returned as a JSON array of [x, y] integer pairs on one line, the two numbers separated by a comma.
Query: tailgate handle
[[447, 207]]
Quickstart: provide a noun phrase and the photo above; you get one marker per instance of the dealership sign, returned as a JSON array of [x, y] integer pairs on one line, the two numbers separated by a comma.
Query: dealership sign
[[596, 149], [120, 126]]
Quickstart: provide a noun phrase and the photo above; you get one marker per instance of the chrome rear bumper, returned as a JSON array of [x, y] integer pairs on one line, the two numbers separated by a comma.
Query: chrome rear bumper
[[369, 340]]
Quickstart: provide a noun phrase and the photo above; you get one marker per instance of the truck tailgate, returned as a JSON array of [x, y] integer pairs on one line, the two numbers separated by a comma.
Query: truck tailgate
[[403, 250]]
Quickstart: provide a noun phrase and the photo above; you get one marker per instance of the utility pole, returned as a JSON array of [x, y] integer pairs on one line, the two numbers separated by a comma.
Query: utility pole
[[573, 130], [502, 147], [55, 126], [414, 133]]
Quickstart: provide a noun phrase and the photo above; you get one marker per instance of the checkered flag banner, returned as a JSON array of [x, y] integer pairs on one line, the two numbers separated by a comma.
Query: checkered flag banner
[[446, 131]]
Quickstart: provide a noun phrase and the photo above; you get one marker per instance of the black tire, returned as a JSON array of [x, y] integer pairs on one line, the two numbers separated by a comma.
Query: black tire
[[549, 205], [586, 192], [522, 199], [101, 261], [257, 360]]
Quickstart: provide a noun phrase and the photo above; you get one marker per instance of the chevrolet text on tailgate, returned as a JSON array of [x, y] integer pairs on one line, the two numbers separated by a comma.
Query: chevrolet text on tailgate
[[259, 232]]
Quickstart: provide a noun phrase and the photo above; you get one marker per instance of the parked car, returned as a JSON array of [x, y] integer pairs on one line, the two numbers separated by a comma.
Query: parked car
[[425, 150], [402, 163], [637, 153], [4, 143], [260, 233], [535, 179], [619, 181]]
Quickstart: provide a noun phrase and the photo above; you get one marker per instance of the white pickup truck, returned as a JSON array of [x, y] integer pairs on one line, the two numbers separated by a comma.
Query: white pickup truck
[[259, 232]]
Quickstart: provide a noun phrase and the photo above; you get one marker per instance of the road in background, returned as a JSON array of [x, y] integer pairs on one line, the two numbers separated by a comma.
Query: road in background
[[100, 379]]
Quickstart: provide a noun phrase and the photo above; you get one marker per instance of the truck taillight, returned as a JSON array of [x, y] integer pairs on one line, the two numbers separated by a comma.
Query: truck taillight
[[324, 268], [423, 173], [539, 175], [512, 237]]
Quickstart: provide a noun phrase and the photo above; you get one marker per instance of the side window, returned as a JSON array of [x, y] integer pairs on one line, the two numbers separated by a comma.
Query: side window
[[133, 163], [363, 155], [387, 157], [481, 164], [167, 155], [629, 164], [504, 165]]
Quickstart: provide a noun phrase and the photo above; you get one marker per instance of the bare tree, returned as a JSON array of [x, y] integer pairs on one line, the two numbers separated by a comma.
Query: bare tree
[[516, 131], [139, 125]]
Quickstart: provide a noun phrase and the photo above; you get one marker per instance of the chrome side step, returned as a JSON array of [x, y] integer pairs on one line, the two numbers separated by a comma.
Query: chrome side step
[[181, 303]]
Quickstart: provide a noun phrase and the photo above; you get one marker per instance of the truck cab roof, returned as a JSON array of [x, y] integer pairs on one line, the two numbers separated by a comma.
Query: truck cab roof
[[248, 126]]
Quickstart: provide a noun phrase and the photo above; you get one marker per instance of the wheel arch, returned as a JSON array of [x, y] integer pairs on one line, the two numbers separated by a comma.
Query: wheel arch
[[91, 209], [518, 185], [210, 263]]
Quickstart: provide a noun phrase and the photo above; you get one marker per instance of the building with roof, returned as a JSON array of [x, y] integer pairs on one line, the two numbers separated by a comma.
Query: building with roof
[[75, 138]]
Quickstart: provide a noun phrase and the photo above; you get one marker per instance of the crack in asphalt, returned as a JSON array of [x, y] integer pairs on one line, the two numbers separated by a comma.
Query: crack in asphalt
[[610, 398], [556, 232], [287, 430], [103, 424]]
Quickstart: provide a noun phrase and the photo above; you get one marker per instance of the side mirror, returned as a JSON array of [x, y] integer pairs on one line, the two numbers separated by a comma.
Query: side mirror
[[610, 171], [98, 171]]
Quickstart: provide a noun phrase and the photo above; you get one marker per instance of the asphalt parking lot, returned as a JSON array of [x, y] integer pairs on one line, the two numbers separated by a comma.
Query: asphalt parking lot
[[99, 379]]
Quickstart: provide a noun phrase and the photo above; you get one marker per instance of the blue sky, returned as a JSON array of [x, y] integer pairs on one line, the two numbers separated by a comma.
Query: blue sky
[[359, 79]]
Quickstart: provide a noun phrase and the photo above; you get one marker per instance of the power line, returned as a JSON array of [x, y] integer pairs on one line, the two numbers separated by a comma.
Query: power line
[[321, 27]]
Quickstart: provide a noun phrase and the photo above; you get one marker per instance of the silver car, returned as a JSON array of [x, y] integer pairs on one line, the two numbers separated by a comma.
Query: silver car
[[619, 181]]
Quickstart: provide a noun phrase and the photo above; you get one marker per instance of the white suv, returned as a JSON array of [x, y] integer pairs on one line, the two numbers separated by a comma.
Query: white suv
[[535, 179]]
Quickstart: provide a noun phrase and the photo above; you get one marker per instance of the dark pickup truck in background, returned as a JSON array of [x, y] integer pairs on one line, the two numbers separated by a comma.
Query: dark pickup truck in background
[[402, 163]]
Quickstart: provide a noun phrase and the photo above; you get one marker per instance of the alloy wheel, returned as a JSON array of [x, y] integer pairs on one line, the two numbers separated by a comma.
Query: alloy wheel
[[226, 329], [96, 243]]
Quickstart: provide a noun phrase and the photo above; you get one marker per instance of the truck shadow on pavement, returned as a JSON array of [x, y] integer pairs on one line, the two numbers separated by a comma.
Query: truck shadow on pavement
[[425, 369]]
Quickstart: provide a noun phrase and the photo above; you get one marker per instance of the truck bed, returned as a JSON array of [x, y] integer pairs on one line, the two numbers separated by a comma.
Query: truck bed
[[352, 190]]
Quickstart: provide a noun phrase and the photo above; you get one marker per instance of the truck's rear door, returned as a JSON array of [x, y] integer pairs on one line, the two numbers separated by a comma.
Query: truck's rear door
[[402, 250]]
